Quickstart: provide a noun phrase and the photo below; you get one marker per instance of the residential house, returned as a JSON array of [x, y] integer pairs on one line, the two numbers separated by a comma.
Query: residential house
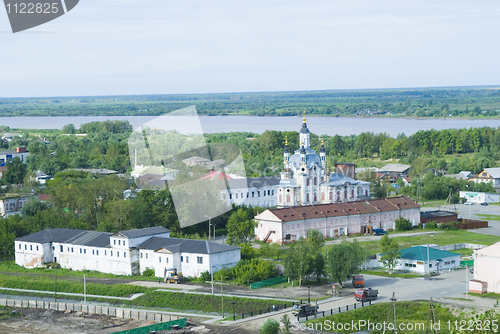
[[488, 175], [11, 204], [20, 153]]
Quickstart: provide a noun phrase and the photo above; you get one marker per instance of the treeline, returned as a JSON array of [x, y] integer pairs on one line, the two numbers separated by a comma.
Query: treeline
[[425, 102]]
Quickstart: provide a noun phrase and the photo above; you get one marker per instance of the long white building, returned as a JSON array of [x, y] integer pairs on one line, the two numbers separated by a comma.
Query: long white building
[[335, 219], [123, 253]]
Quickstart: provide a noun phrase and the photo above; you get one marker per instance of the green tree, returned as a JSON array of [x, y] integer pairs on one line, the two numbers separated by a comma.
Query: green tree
[[32, 207], [344, 260], [240, 227], [69, 128], [270, 326], [16, 171], [287, 324], [298, 260], [403, 224], [390, 253]]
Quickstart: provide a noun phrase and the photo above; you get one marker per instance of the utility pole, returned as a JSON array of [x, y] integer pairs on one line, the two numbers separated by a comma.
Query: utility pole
[[212, 275], [222, 294], [466, 281], [428, 261], [84, 290], [429, 313], [55, 289], [315, 318], [392, 308]]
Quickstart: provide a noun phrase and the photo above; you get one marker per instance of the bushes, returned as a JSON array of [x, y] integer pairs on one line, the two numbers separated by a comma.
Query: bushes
[[247, 271], [403, 224], [149, 272], [270, 326], [431, 225]]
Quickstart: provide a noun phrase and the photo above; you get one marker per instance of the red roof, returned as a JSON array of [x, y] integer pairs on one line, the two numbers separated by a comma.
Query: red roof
[[344, 209], [216, 175], [43, 197]]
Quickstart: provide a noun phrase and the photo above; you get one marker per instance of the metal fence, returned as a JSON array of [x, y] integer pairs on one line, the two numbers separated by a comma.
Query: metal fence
[[86, 308], [333, 311], [164, 326], [268, 282]]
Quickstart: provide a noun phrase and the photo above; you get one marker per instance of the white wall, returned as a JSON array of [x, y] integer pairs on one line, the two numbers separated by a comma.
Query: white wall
[[187, 263], [30, 254]]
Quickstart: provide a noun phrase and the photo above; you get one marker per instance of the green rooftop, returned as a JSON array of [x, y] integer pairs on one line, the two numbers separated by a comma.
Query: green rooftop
[[419, 253]]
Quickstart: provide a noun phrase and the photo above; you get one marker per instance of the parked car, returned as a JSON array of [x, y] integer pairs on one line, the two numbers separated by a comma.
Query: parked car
[[471, 270], [469, 203], [379, 231], [484, 203]]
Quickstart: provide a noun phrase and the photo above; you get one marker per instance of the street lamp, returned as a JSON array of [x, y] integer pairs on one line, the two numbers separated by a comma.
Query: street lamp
[[308, 293], [234, 314], [209, 224]]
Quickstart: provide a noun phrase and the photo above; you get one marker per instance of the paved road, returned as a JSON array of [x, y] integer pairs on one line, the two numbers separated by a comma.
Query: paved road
[[446, 285]]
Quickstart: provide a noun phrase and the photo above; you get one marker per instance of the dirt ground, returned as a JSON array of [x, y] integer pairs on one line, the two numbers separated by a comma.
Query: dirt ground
[[56, 322]]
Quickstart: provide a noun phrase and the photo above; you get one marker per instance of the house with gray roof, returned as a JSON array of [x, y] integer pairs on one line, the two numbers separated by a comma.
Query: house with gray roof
[[488, 175], [191, 257], [123, 253]]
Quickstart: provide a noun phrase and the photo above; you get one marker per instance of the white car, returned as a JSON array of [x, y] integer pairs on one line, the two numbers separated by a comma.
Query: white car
[[469, 203]]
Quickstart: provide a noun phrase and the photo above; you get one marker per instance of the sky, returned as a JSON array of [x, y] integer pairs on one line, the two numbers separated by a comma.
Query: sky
[[125, 47]]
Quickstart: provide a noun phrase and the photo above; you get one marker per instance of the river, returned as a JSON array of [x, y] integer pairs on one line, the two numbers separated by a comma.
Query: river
[[318, 125]]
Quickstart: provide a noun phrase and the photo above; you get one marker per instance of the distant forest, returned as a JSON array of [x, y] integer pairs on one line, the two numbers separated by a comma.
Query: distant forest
[[419, 102]]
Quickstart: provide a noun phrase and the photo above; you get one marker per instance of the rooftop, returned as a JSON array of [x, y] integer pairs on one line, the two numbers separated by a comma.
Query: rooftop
[[398, 168], [343, 209], [143, 232], [419, 253], [175, 245]]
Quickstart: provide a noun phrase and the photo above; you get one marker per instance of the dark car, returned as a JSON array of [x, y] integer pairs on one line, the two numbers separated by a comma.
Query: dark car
[[379, 231], [484, 203]]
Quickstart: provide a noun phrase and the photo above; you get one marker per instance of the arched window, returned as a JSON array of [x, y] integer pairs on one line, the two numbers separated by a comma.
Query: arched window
[[280, 199], [366, 192], [322, 196], [345, 194], [315, 197], [322, 179], [331, 196], [352, 193], [338, 196], [288, 198], [315, 181], [307, 181], [307, 197]]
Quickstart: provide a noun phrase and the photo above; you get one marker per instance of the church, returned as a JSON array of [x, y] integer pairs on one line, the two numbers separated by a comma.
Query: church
[[306, 180]]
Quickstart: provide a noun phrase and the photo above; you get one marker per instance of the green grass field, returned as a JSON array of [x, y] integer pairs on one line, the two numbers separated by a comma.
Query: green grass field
[[488, 217], [43, 283], [380, 272], [11, 266], [411, 316], [440, 239]]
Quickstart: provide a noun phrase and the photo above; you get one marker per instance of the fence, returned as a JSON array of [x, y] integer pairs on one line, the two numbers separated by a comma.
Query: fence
[[164, 326], [268, 282], [106, 310], [333, 311]]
